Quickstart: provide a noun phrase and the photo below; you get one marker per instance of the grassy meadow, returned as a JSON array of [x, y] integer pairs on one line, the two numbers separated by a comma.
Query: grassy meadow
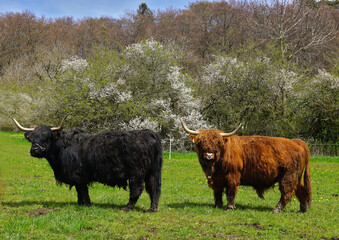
[[32, 206]]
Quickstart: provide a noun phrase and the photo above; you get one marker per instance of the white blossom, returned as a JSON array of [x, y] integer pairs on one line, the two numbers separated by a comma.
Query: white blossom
[[139, 123], [74, 63], [139, 48], [324, 76], [283, 80], [107, 91]]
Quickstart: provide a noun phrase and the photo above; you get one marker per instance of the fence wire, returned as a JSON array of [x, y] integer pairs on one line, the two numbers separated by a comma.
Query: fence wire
[[324, 149]]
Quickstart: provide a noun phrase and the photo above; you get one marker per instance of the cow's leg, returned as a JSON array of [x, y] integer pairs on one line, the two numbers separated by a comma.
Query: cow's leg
[[231, 191], [287, 189], [83, 196], [218, 198], [260, 192], [153, 187], [230, 200], [136, 186]]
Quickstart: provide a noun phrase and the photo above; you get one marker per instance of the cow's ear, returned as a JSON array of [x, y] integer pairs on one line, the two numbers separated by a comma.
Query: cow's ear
[[192, 137], [225, 139], [26, 135]]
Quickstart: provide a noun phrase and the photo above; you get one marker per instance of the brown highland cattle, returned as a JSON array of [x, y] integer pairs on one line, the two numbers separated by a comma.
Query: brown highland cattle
[[229, 161]]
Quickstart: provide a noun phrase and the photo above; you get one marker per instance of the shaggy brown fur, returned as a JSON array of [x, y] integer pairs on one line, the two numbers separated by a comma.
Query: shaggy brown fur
[[255, 161]]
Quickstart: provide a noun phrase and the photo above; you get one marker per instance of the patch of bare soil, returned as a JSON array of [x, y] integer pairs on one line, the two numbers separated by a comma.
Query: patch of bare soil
[[40, 211], [256, 226]]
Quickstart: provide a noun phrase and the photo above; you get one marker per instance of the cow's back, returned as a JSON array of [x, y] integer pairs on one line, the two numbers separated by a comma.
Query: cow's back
[[114, 157]]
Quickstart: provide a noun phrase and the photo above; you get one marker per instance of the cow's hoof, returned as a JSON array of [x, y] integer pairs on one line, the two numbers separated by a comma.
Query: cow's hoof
[[230, 208], [218, 206], [152, 209], [126, 209], [85, 204], [302, 211], [276, 210]]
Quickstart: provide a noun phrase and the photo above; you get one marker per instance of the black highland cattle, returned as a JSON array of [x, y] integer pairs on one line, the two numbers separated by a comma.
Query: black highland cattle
[[114, 158]]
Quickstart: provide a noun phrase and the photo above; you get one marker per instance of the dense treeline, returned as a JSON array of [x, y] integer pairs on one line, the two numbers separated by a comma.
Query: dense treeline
[[271, 65], [304, 31]]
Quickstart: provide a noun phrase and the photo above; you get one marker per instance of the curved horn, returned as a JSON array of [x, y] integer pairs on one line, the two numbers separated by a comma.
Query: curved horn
[[187, 130], [21, 127], [61, 126], [230, 133]]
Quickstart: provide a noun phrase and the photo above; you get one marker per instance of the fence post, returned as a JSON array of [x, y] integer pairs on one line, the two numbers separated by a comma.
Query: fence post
[[170, 148]]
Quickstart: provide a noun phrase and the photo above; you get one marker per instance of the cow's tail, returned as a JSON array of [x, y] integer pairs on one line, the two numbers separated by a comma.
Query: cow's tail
[[304, 191], [153, 179], [307, 178], [158, 161]]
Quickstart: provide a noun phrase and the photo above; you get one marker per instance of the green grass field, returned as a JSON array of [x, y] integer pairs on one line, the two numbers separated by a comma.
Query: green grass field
[[34, 207]]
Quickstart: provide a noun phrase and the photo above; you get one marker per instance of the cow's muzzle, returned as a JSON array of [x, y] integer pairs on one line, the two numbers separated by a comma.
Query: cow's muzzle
[[37, 150], [209, 156]]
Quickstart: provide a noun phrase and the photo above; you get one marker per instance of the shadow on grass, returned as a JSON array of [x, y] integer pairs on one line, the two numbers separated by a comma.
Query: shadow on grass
[[52, 204], [187, 204], [179, 205]]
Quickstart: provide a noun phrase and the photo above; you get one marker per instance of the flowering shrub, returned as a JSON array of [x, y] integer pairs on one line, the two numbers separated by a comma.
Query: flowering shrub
[[14, 104], [318, 116], [143, 87], [253, 90]]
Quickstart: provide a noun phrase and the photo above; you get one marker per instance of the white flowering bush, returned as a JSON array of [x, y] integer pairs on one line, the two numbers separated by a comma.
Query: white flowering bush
[[165, 90], [15, 104], [27, 87], [142, 87], [326, 79], [253, 90], [318, 112]]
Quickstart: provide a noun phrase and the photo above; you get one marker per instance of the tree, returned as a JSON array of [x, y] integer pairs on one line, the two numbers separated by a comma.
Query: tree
[[143, 9], [143, 23], [306, 33], [19, 35]]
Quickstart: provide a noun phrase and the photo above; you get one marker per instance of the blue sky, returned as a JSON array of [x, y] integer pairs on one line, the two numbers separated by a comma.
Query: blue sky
[[86, 8]]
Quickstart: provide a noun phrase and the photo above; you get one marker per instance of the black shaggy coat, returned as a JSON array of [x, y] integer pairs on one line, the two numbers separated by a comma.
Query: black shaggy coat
[[115, 158]]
